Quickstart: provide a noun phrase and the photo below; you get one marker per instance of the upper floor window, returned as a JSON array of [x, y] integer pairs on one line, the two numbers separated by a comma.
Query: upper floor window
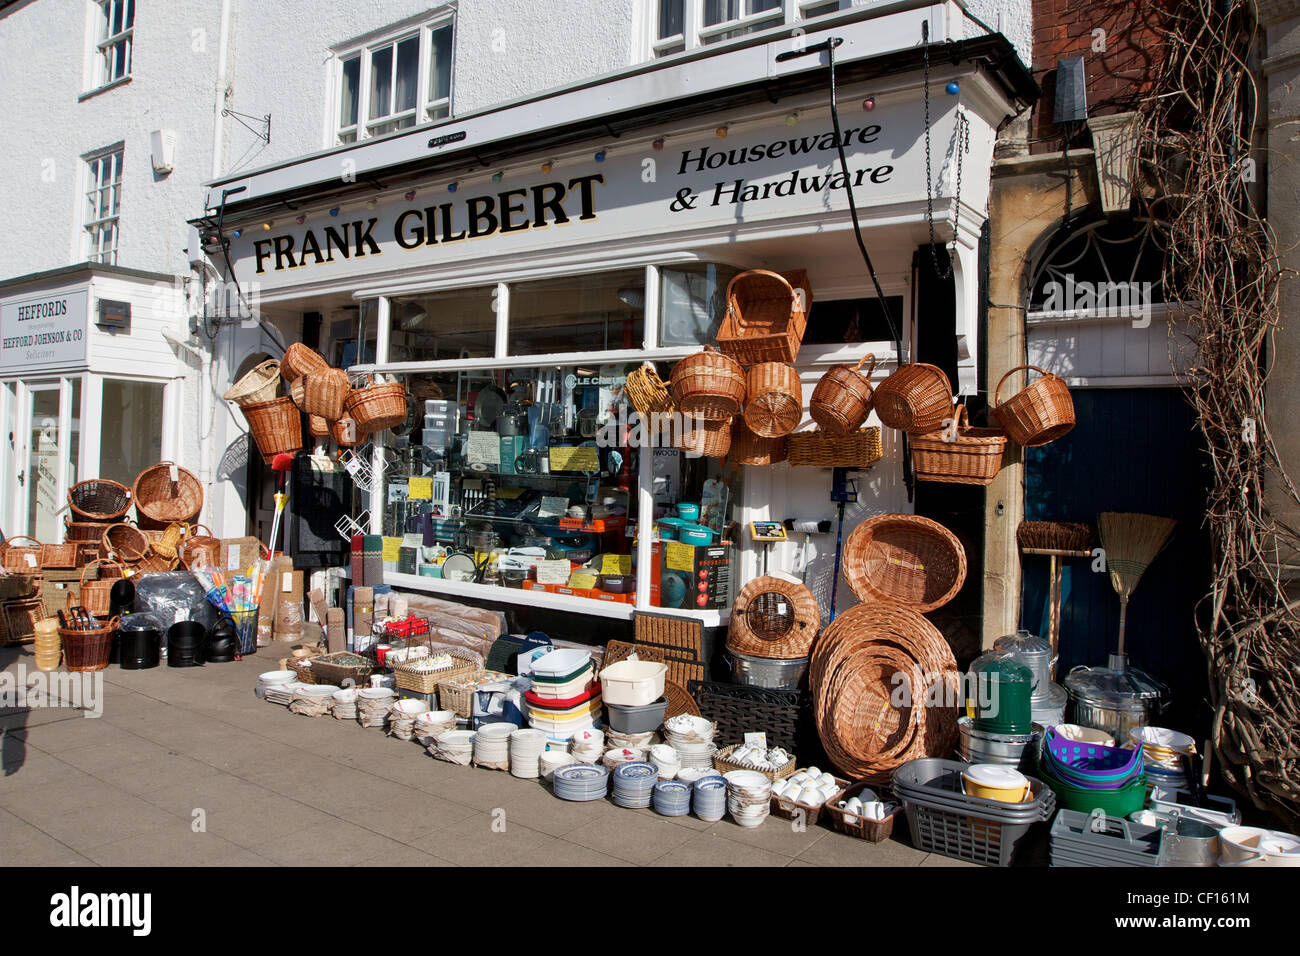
[[115, 23], [689, 24], [103, 204], [395, 82]]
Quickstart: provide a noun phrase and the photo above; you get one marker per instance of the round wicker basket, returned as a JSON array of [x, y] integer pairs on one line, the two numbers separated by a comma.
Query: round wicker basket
[[774, 399], [161, 500], [708, 437], [843, 398], [750, 449], [376, 407], [298, 360], [915, 398], [1037, 414], [276, 426], [98, 499], [708, 384], [904, 559], [773, 618], [324, 391]]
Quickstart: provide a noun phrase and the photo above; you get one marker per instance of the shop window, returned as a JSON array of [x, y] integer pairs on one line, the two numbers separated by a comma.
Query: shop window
[[103, 205], [130, 430], [689, 24], [444, 325], [852, 320], [114, 36], [590, 313], [692, 303], [395, 83]]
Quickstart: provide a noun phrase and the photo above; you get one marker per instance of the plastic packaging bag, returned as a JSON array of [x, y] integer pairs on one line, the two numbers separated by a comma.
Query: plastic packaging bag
[[171, 597]]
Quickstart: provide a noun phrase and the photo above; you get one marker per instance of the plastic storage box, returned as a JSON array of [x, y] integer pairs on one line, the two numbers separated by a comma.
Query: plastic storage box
[[637, 720], [630, 683]]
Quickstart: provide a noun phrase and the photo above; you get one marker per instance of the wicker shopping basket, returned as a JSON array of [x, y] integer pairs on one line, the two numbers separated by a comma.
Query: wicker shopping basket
[[773, 618], [750, 449], [817, 449], [21, 558], [767, 313], [774, 399], [904, 559], [1039, 413], [375, 407], [324, 390], [298, 360], [915, 398], [125, 542], [647, 392], [98, 499], [161, 498], [708, 384], [842, 399], [708, 437], [964, 456], [259, 384], [276, 427]]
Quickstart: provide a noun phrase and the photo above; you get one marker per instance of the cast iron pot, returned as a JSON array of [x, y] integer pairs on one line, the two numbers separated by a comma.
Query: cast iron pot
[[139, 648], [222, 643], [185, 641]]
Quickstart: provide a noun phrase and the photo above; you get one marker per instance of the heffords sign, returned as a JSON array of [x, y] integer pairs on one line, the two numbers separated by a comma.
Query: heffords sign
[[771, 173], [43, 331]]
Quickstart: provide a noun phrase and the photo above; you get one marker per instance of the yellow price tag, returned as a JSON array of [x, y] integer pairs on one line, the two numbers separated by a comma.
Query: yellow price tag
[[679, 556], [420, 489], [392, 549], [616, 564], [575, 458], [582, 580]]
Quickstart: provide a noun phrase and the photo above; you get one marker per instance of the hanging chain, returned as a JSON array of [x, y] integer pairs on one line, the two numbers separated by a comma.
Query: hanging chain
[[963, 147]]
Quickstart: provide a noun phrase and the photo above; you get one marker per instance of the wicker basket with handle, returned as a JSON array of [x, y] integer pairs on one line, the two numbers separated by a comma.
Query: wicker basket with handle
[[96, 593], [647, 392], [408, 677], [843, 398], [817, 449], [966, 456], [124, 542], [708, 437], [171, 539], [750, 449], [259, 384], [87, 650], [298, 360], [375, 407], [859, 826], [708, 384], [904, 559], [346, 434], [21, 558], [767, 313], [276, 426], [774, 399], [324, 390], [915, 398], [199, 550], [1039, 413], [59, 556], [162, 499], [99, 499]]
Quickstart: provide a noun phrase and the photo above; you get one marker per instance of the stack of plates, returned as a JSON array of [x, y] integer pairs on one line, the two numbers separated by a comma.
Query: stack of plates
[[454, 746], [749, 797], [313, 700], [492, 745], [345, 704], [613, 758], [581, 782], [709, 797], [634, 783], [281, 693], [433, 723], [692, 738], [551, 761], [666, 759], [373, 705], [272, 679], [526, 749], [401, 720], [672, 798]]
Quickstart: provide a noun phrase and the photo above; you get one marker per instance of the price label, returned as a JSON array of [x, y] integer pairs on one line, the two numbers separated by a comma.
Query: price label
[[175, 475], [232, 558], [30, 559], [286, 582], [679, 556], [552, 507], [585, 580], [420, 489], [392, 549], [553, 571], [616, 564], [484, 448], [575, 458]]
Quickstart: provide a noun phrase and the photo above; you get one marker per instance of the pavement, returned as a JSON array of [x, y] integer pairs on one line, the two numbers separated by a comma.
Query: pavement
[[185, 767]]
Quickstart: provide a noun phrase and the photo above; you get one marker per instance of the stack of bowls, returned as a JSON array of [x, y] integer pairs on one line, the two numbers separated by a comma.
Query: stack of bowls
[[345, 704], [492, 745], [1166, 755], [581, 782], [433, 723], [672, 798], [265, 681], [615, 740], [49, 646], [551, 761], [587, 746], [1084, 735], [613, 758], [454, 746], [526, 749], [401, 719], [1086, 776], [1012, 750], [749, 797], [709, 797], [634, 783], [991, 781], [665, 758], [692, 738]]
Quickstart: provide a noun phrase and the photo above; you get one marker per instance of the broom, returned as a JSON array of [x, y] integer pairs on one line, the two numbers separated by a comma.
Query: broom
[[1131, 542]]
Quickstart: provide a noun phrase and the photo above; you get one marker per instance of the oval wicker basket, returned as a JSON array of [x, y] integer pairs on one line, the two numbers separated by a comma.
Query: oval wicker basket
[[161, 500], [750, 449], [972, 457], [376, 407], [708, 437], [854, 679], [818, 449], [346, 434], [647, 392], [904, 559], [259, 384], [843, 398], [915, 398], [318, 427], [83, 531], [199, 550], [125, 543], [708, 384], [98, 499], [276, 427], [298, 360], [324, 390], [774, 399], [773, 618], [1037, 414], [767, 313]]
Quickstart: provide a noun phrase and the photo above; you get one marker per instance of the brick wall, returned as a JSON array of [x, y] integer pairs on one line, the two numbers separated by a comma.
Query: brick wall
[[1119, 64]]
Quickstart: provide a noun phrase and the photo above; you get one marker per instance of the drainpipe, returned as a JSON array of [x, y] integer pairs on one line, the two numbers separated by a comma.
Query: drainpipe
[[219, 100], [205, 407]]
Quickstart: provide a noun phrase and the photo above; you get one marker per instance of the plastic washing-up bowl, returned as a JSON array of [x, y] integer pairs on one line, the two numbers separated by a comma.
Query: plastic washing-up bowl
[[630, 683]]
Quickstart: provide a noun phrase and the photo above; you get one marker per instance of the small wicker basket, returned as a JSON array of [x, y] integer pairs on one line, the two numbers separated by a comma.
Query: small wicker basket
[[722, 764], [199, 550], [843, 398], [318, 427], [298, 360], [915, 398], [708, 384], [324, 391], [376, 407], [774, 399], [21, 558], [1037, 414], [346, 434], [259, 384], [96, 592], [426, 682], [647, 392], [59, 557], [707, 437], [967, 456], [817, 449], [750, 449], [767, 313]]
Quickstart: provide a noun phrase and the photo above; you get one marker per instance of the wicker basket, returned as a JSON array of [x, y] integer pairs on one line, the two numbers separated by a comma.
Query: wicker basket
[[750, 449], [774, 399], [376, 407], [647, 392], [457, 694], [863, 828], [276, 426], [784, 715], [20, 619], [708, 437], [773, 618], [98, 499], [59, 556], [318, 427], [915, 398], [426, 682], [329, 669], [259, 384], [152, 562], [767, 313], [199, 550], [21, 558], [125, 542], [972, 457], [83, 531], [817, 449], [324, 390], [708, 384], [87, 650], [904, 559], [96, 593], [679, 701], [843, 398], [722, 764], [299, 360], [1037, 414], [346, 434], [170, 540], [789, 810], [161, 500], [296, 392]]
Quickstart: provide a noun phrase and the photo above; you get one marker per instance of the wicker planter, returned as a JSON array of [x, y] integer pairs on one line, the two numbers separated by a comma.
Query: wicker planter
[[843, 398], [708, 384], [276, 426], [817, 449], [767, 313], [1037, 414], [750, 449], [161, 500], [259, 384], [376, 407], [904, 559], [915, 398], [774, 399], [973, 456], [773, 618], [99, 499]]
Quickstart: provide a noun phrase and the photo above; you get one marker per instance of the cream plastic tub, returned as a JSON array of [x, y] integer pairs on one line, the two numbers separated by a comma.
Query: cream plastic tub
[[633, 683]]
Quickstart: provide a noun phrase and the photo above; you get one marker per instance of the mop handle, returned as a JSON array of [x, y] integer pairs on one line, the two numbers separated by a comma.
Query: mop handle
[[839, 541]]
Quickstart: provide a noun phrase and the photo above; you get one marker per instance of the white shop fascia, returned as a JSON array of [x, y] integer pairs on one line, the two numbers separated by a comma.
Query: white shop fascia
[[662, 177]]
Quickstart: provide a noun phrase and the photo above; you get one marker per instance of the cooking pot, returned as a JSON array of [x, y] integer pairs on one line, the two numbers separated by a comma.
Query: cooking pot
[[1115, 698], [512, 422], [513, 578]]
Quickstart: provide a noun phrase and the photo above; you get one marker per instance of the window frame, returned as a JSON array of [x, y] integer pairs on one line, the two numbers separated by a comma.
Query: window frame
[[103, 43], [696, 34], [426, 108], [92, 184]]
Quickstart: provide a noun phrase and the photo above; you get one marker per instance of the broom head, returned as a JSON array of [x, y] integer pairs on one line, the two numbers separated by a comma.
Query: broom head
[[1131, 542], [1055, 536]]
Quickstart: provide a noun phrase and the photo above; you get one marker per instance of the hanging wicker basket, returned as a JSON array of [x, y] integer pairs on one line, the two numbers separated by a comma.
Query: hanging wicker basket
[[346, 434], [98, 499], [259, 384], [1039, 413], [915, 398], [708, 384], [276, 426], [773, 618], [324, 391], [296, 391], [750, 449], [647, 392], [298, 360], [318, 427], [774, 399], [972, 457], [817, 449], [708, 437], [842, 399], [376, 407], [904, 559], [161, 500], [767, 313], [21, 558]]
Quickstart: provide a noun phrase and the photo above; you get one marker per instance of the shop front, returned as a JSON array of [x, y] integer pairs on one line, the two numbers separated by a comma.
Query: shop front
[[87, 386], [526, 296]]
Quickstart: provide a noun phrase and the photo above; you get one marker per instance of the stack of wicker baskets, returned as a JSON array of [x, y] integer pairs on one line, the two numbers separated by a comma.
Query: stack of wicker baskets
[[96, 504], [708, 388]]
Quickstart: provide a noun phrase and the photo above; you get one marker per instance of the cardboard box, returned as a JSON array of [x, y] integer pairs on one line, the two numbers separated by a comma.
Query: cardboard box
[[704, 573], [288, 608]]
